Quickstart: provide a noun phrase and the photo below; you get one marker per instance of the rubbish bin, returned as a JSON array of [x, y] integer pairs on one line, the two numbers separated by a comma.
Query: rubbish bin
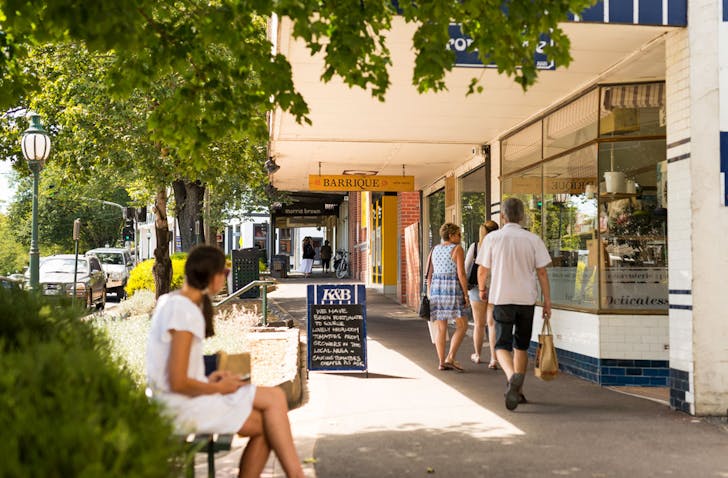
[[246, 270], [279, 266]]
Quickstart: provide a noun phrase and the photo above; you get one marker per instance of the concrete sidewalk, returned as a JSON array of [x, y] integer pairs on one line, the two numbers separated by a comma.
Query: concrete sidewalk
[[410, 419]]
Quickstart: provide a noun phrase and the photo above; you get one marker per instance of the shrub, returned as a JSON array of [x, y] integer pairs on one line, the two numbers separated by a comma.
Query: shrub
[[68, 408], [141, 277]]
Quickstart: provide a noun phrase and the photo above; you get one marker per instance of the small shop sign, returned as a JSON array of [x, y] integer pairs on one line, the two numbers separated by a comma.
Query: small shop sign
[[357, 182]]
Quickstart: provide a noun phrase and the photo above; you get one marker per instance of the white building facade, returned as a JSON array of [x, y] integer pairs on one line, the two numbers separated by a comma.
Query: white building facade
[[621, 159]]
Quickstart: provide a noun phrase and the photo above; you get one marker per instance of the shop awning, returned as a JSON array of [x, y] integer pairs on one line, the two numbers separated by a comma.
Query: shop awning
[[651, 95]]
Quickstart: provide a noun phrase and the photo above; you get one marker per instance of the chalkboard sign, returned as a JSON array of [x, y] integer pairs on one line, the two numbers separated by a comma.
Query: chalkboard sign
[[336, 337]]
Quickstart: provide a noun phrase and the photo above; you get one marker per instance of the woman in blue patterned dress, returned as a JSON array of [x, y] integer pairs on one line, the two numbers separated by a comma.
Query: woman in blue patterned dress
[[448, 293]]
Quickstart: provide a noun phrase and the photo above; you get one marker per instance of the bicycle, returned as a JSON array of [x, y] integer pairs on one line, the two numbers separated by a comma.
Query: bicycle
[[341, 264]]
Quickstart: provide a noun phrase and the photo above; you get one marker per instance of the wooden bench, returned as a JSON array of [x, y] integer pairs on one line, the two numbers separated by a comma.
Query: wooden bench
[[210, 444]]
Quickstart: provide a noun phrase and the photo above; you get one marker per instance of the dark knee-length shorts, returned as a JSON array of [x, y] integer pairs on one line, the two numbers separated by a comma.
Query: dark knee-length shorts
[[513, 326]]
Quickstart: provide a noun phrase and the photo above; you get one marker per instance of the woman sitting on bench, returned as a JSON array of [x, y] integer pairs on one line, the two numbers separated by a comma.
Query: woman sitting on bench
[[222, 402]]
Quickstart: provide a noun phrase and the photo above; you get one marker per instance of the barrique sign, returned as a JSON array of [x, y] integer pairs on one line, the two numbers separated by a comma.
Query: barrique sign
[[337, 327], [358, 182]]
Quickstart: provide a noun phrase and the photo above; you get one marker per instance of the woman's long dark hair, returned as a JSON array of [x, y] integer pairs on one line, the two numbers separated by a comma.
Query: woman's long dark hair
[[203, 263]]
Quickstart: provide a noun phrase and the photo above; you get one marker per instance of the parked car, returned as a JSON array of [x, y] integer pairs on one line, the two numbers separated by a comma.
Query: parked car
[[10, 283], [56, 278], [117, 263]]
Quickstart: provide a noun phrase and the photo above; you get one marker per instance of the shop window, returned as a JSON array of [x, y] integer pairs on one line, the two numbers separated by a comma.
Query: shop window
[[632, 110], [571, 126], [435, 216], [633, 225], [570, 234], [599, 203], [472, 204], [522, 149], [526, 186]]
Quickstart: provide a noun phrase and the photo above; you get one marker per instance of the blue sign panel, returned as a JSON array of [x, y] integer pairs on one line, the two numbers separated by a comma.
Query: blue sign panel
[[466, 57], [336, 327]]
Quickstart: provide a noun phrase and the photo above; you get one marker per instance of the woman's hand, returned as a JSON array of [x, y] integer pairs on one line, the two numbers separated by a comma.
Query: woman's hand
[[218, 375], [229, 384]]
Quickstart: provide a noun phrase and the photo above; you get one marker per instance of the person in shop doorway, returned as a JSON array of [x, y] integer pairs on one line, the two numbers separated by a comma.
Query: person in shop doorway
[[482, 310], [516, 259], [448, 287], [325, 253], [308, 255]]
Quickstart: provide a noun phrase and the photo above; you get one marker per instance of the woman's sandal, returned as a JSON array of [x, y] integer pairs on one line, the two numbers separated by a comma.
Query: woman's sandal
[[455, 366], [444, 366], [493, 365]]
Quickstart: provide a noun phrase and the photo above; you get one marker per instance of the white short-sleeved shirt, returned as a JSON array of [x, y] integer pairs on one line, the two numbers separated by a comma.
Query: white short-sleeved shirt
[[512, 254], [216, 413]]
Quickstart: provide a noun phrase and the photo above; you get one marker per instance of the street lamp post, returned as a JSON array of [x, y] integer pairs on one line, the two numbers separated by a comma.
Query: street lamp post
[[36, 146]]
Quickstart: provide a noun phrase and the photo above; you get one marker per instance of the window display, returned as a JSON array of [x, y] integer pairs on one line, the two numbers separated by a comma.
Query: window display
[[599, 203]]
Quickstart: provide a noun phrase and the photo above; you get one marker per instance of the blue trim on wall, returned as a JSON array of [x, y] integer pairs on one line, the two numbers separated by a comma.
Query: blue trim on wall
[[725, 10], [677, 13], [681, 291], [622, 11], [650, 12], [594, 14], [724, 163], [612, 372], [679, 385], [681, 307]]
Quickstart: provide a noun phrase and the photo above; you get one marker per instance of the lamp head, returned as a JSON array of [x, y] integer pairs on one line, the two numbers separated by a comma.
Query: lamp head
[[36, 143]]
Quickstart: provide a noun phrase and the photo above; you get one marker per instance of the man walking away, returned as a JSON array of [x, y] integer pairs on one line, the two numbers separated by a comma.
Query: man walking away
[[515, 258]]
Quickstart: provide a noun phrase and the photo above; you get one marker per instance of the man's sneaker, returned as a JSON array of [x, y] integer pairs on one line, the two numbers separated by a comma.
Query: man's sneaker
[[514, 391]]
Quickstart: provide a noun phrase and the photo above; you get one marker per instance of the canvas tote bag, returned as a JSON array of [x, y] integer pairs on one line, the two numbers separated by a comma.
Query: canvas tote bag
[[547, 364]]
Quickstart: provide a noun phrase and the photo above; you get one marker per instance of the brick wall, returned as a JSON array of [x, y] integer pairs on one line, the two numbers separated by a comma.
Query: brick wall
[[358, 239], [408, 214]]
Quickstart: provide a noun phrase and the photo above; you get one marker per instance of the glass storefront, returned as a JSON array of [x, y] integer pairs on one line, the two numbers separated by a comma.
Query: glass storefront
[[594, 187], [472, 204], [435, 216]]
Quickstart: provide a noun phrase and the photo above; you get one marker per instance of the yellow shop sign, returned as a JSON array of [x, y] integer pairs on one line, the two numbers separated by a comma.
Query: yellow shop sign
[[356, 182]]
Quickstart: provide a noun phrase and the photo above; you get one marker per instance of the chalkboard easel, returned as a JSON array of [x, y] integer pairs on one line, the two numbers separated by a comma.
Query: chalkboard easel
[[337, 337]]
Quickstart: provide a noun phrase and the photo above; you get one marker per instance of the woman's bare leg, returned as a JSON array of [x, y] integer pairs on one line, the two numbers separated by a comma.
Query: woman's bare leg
[[271, 403], [440, 340], [478, 326], [461, 326], [491, 333], [257, 451]]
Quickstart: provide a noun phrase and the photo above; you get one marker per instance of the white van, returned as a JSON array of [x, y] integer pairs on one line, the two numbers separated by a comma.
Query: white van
[[117, 263]]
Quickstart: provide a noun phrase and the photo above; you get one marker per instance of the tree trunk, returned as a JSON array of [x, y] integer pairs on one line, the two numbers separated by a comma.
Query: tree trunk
[[188, 196], [162, 269]]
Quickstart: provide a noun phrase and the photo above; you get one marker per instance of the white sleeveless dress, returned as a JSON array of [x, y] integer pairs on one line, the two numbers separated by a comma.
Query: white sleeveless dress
[[216, 413]]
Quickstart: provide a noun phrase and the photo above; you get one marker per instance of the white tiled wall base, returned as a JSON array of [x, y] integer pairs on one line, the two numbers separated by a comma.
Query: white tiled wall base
[[636, 337], [610, 349]]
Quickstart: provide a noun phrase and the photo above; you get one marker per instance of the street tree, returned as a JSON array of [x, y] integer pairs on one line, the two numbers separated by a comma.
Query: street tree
[[225, 69], [202, 73], [96, 136]]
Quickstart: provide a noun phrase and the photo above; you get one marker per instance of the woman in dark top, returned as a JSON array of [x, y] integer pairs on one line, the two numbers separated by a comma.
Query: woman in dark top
[[308, 254]]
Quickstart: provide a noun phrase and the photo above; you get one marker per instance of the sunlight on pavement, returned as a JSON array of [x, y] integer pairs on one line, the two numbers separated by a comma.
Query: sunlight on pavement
[[399, 395]]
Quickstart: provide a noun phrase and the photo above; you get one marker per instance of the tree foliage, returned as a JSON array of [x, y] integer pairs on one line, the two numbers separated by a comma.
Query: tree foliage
[[13, 256], [222, 68]]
